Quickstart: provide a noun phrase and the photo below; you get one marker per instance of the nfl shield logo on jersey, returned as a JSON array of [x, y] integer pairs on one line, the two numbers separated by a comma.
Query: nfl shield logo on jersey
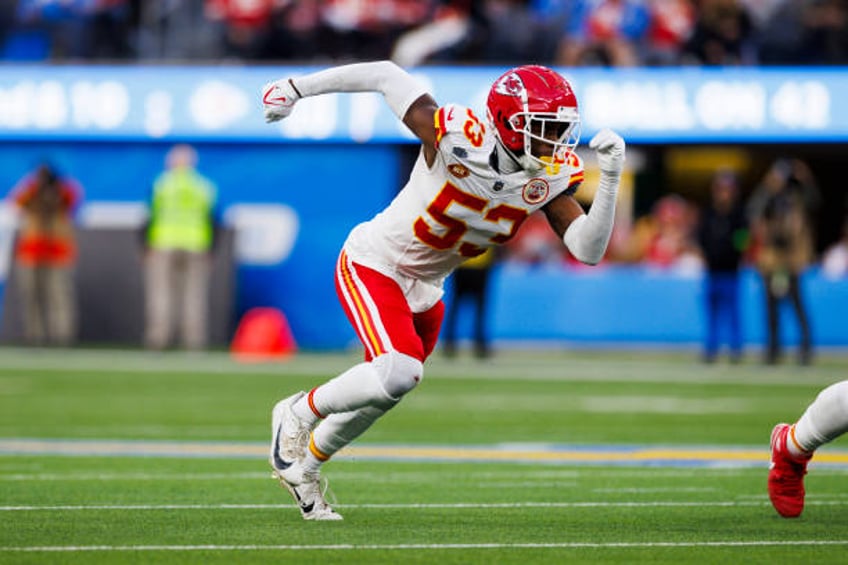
[[535, 191]]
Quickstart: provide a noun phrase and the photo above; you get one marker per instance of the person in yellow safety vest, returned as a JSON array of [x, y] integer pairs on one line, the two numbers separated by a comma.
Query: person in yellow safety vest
[[179, 240]]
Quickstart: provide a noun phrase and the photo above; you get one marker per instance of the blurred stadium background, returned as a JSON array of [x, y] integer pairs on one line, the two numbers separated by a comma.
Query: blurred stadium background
[[103, 88]]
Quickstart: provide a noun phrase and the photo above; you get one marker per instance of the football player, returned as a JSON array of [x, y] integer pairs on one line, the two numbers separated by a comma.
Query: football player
[[475, 181], [792, 447]]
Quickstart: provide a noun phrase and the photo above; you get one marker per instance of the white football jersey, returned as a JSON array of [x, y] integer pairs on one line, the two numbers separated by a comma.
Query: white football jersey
[[457, 208]]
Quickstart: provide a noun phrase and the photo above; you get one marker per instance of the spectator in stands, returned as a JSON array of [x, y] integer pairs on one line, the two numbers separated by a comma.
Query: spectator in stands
[[781, 209], [470, 281], [572, 32], [296, 30], [369, 30], [45, 256], [458, 31], [806, 31], [245, 26], [723, 35], [180, 237], [604, 32], [671, 25], [723, 237], [664, 238], [516, 30], [176, 30], [81, 29]]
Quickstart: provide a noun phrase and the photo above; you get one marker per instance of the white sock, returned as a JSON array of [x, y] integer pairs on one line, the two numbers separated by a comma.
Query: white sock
[[312, 464], [303, 411], [793, 447], [335, 432], [339, 430], [823, 421]]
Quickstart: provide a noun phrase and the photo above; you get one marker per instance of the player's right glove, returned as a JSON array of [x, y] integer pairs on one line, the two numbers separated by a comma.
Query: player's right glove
[[609, 148], [278, 99]]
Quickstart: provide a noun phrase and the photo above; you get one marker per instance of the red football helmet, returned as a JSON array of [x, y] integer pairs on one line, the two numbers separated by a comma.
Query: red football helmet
[[534, 102]]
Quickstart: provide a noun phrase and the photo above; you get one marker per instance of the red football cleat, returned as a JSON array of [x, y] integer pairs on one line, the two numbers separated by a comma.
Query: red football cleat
[[786, 475]]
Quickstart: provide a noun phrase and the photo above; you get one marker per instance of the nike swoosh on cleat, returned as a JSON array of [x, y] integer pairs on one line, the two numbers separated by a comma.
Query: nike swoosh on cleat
[[307, 508], [279, 462]]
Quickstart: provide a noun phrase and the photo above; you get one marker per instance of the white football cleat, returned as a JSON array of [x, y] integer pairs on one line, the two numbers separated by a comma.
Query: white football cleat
[[289, 435], [289, 441], [308, 493]]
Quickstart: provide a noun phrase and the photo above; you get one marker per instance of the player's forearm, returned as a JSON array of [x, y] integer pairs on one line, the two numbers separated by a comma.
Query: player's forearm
[[397, 86], [588, 236]]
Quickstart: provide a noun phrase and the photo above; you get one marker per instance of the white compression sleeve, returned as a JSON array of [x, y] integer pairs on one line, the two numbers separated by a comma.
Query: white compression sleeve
[[587, 236], [399, 88]]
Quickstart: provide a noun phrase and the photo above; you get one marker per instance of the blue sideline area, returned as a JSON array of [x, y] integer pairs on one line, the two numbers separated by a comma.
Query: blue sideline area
[[611, 305], [607, 306]]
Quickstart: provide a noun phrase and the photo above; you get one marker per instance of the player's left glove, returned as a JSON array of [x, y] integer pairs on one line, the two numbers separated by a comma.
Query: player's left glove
[[278, 99], [609, 148]]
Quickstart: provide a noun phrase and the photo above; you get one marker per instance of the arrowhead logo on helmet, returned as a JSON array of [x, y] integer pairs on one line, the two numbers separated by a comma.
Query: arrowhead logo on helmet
[[510, 84]]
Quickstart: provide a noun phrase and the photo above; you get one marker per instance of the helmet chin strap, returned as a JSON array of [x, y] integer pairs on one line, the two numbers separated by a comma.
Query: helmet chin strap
[[530, 164], [510, 162]]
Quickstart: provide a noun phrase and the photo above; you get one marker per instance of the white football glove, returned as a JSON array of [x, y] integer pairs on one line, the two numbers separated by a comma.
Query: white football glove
[[609, 148], [278, 99]]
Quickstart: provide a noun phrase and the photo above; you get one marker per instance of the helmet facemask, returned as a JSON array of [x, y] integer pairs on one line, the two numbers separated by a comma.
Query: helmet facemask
[[549, 137]]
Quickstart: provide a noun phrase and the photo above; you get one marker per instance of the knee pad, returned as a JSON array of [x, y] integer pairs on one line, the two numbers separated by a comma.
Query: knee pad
[[399, 373], [840, 391]]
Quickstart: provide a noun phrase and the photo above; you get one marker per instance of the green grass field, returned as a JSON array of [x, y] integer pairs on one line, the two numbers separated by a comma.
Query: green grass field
[[551, 457]]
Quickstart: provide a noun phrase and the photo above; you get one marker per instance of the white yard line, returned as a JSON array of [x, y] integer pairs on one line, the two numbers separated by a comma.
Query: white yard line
[[413, 506], [424, 546]]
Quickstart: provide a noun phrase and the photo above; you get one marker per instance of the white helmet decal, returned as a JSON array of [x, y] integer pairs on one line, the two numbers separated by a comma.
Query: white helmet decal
[[512, 85]]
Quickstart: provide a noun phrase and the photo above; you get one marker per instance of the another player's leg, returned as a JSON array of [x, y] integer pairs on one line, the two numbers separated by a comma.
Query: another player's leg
[[786, 473], [792, 447]]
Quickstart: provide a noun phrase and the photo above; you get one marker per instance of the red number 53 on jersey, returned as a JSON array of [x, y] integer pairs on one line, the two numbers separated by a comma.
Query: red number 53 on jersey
[[456, 228]]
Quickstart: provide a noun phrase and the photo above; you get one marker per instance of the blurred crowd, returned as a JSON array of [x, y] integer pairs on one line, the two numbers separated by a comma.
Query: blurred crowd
[[777, 214], [769, 227], [412, 32]]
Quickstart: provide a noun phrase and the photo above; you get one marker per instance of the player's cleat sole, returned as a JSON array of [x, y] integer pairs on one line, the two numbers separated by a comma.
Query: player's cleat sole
[[786, 475]]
